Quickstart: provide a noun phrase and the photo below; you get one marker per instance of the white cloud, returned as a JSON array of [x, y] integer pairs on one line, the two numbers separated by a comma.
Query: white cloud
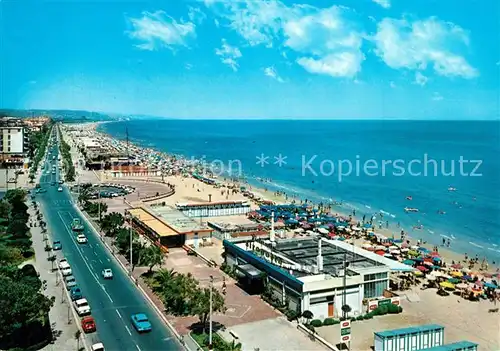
[[384, 3], [196, 15], [392, 85], [229, 55], [417, 45], [321, 36], [271, 72], [157, 29], [437, 97], [342, 64], [420, 79]]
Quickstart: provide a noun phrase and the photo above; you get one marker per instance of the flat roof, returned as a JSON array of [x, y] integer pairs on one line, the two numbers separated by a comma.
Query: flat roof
[[456, 346], [305, 252], [395, 266], [203, 204], [153, 223], [409, 330], [178, 220]]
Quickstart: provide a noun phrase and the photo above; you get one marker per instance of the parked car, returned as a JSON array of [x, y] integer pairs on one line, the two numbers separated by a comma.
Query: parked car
[[141, 322], [59, 189], [82, 307], [66, 271], [107, 273], [82, 239], [63, 263], [88, 324], [75, 293], [98, 347], [70, 282], [56, 245]]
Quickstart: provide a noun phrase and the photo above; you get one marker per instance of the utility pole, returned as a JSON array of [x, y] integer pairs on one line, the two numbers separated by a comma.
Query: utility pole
[[210, 346], [131, 246], [344, 283]]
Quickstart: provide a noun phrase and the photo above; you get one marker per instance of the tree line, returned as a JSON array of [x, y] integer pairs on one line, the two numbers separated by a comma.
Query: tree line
[[68, 161], [24, 308], [37, 148]]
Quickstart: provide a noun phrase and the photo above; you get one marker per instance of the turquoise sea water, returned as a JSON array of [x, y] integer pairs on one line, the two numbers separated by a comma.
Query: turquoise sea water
[[471, 217]]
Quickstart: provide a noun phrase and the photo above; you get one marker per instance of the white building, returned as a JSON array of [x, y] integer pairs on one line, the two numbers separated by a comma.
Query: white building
[[308, 274]]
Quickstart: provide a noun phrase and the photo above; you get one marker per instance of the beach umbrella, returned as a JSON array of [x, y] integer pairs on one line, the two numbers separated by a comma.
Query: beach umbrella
[[447, 285], [457, 266], [393, 247], [454, 280], [462, 286], [405, 249], [423, 249], [456, 274], [366, 246], [418, 273], [434, 254], [380, 252], [490, 285], [427, 263], [413, 253], [409, 262], [467, 277], [431, 277], [435, 267], [422, 268], [418, 259], [436, 259]]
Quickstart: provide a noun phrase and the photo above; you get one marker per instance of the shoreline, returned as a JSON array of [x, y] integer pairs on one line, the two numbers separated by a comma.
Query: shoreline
[[447, 253]]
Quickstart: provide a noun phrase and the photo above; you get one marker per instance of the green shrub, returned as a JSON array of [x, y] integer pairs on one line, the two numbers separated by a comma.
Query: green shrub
[[392, 309], [329, 321], [352, 319], [336, 321], [316, 323], [400, 309], [369, 316], [360, 318], [291, 315], [383, 310]]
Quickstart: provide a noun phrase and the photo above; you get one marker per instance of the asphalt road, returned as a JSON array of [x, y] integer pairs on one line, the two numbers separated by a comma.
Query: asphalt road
[[113, 301]]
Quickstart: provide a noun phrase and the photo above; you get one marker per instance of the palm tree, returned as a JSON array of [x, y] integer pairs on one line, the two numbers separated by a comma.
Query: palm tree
[[308, 315], [152, 256]]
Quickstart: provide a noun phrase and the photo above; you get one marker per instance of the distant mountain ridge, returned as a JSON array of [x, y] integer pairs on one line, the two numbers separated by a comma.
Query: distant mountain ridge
[[73, 116]]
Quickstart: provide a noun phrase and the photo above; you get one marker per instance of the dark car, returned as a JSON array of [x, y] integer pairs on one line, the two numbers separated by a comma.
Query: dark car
[[75, 293], [57, 245]]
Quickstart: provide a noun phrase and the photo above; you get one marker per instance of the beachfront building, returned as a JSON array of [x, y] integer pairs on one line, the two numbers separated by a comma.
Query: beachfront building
[[308, 273], [168, 227], [422, 337], [14, 143], [214, 209], [224, 230], [123, 171]]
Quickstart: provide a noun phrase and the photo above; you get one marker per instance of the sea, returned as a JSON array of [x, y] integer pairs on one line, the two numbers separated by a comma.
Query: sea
[[448, 170]]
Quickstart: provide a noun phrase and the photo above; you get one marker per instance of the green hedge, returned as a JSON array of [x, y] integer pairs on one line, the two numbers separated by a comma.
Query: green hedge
[[316, 323], [379, 311]]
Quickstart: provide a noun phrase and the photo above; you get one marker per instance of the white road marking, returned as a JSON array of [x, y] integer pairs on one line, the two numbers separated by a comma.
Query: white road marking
[[118, 313], [128, 330], [138, 348]]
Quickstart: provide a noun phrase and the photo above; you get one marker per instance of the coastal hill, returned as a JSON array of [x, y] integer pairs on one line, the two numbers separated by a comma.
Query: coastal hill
[[72, 116]]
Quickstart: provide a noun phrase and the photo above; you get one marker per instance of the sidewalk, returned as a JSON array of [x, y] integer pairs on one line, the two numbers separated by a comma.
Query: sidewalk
[[60, 314]]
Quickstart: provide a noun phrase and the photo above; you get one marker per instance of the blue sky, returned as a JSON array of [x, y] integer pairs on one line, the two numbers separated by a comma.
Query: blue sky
[[426, 59]]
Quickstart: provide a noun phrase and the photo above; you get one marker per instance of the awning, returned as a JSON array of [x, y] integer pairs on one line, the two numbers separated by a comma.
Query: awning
[[250, 271]]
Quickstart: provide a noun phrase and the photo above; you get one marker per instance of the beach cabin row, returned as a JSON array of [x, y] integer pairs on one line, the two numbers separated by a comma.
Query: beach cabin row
[[410, 339], [214, 209]]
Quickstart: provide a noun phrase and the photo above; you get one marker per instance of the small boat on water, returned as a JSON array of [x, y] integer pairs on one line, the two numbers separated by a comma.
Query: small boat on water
[[452, 189], [411, 209], [441, 212], [409, 198]]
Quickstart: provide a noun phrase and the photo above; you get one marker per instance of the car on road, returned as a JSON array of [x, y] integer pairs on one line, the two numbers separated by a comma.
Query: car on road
[[61, 181], [98, 347], [75, 293], [82, 239], [59, 189], [53, 172], [82, 307], [107, 273], [88, 324], [70, 282], [56, 245], [141, 322], [41, 190]]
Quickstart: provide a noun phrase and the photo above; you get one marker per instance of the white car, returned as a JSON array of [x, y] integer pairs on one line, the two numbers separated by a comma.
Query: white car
[[82, 307], [63, 263], [59, 189], [98, 347], [66, 271], [107, 273], [82, 239]]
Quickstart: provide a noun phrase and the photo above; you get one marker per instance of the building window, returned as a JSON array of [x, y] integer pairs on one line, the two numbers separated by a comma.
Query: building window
[[376, 276], [9, 136], [374, 289], [8, 149]]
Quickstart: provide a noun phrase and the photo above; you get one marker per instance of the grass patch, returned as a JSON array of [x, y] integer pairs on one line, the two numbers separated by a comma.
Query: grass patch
[[218, 342]]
